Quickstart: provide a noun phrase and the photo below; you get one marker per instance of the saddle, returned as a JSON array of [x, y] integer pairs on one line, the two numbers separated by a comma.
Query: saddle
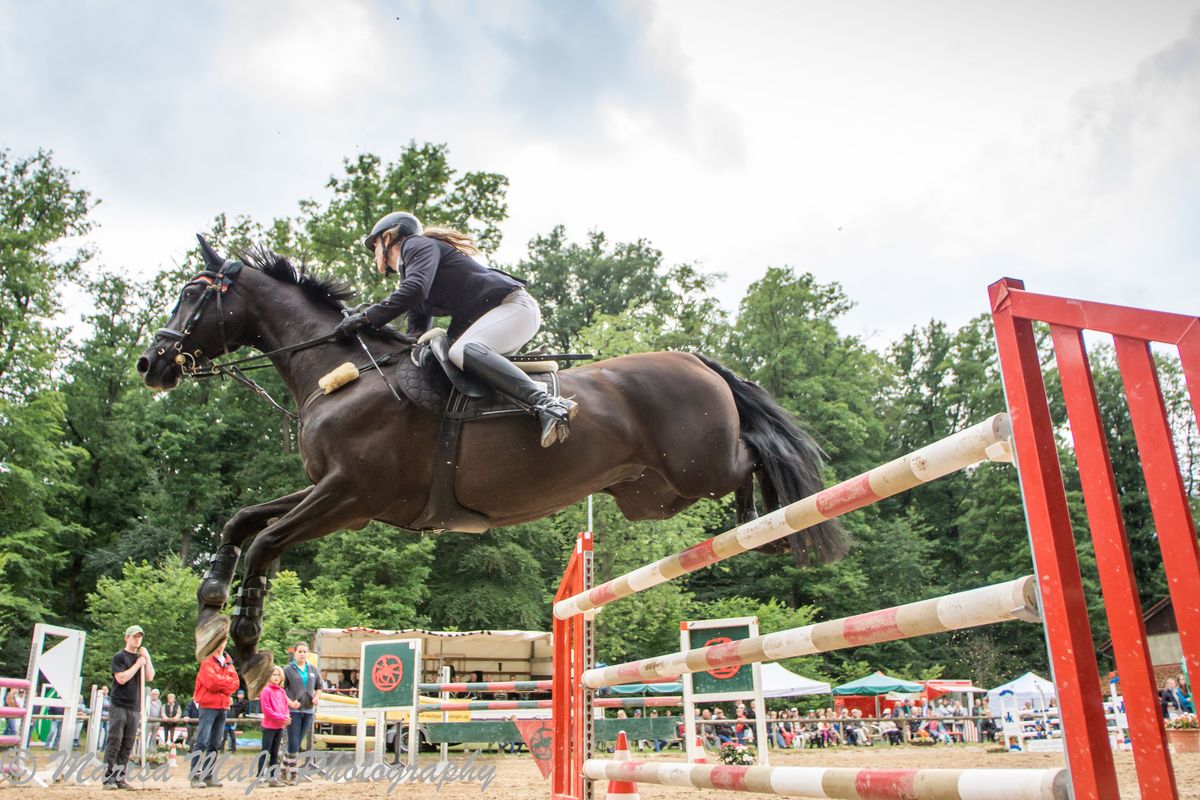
[[432, 382]]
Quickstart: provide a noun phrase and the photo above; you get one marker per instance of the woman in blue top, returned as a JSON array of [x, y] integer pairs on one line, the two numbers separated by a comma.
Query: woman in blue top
[[491, 314]]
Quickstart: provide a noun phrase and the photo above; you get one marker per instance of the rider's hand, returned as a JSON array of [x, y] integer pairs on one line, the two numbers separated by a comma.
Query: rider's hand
[[352, 325]]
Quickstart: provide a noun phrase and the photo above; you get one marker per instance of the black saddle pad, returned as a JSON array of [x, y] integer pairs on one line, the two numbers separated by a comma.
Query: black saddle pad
[[430, 390]]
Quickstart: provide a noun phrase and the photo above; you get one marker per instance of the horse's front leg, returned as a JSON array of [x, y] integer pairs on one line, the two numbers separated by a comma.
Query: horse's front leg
[[330, 507], [212, 627]]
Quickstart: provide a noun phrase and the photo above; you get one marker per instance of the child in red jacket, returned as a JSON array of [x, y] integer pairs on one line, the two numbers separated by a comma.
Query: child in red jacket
[[276, 716], [216, 682]]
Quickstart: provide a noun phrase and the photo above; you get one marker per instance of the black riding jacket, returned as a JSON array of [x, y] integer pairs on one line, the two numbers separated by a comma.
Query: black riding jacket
[[439, 281]]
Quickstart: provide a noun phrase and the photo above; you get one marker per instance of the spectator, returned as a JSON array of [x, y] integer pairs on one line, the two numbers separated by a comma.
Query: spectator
[[743, 731], [216, 682], [131, 667], [82, 717], [192, 713], [154, 711], [659, 744], [12, 699], [889, 729], [105, 703], [302, 682], [276, 716], [856, 734], [237, 709], [1173, 701], [723, 731], [172, 713]]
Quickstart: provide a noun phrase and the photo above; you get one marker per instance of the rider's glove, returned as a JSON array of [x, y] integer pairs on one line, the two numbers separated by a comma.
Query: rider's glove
[[352, 325]]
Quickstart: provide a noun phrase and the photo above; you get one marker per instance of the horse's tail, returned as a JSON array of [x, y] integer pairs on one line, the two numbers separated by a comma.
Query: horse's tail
[[788, 464]]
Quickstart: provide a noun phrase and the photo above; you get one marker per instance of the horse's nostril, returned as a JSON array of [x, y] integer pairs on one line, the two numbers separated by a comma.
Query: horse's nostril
[[143, 365]]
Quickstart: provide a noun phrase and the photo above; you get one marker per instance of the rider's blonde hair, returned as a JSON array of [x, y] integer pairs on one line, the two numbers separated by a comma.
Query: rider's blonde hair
[[456, 239]]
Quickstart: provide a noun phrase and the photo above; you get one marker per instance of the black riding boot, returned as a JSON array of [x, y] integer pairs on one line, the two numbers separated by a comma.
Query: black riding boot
[[554, 413]]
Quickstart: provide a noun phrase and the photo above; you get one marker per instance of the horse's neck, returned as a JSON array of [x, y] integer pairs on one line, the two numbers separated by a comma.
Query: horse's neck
[[297, 320]]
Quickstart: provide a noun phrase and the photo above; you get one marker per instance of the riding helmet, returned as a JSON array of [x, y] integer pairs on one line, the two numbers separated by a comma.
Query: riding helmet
[[404, 223]]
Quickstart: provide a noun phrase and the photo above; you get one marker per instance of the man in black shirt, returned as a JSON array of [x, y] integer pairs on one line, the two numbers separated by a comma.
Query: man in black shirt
[[131, 669]]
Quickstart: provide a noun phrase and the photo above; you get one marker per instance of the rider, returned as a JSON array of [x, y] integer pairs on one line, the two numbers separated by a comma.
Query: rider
[[491, 314]]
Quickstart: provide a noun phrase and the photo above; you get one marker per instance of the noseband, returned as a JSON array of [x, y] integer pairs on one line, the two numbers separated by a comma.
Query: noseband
[[216, 284]]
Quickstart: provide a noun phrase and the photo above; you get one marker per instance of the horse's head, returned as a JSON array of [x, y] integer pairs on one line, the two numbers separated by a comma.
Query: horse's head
[[208, 321]]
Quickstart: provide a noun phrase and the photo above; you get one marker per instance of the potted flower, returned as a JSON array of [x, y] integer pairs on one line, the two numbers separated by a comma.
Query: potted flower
[[1183, 734], [736, 754]]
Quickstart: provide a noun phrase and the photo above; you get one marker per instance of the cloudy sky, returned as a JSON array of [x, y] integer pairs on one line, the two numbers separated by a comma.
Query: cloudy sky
[[913, 151]]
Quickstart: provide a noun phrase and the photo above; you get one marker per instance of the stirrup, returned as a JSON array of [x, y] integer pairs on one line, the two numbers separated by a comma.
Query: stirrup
[[561, 408], [555, 414]]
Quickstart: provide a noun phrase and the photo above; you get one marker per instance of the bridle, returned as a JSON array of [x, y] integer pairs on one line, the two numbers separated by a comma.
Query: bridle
[[193, 363], [216, 283]]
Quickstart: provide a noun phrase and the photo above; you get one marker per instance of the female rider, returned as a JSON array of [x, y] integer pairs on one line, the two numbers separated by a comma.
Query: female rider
[[491, 314]]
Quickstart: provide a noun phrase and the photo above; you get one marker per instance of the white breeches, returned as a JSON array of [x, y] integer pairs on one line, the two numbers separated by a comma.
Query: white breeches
[[505, 329]]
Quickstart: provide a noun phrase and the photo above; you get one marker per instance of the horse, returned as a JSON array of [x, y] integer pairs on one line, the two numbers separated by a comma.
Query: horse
[[657, 431]]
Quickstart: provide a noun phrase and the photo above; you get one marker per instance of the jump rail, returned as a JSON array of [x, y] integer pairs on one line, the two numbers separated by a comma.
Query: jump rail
[[1001, 602], [844, 783], [488, 686], [983, 441], [516, 705]]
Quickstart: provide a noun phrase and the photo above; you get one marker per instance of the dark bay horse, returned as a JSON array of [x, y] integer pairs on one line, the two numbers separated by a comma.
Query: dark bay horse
[[657, 431]]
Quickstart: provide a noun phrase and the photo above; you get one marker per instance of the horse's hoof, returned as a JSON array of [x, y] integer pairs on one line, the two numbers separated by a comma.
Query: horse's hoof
[[256, 672], [212, 631]]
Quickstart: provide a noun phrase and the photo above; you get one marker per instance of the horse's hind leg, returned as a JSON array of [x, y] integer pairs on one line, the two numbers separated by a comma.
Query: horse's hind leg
[[326, 509], [212, 627]]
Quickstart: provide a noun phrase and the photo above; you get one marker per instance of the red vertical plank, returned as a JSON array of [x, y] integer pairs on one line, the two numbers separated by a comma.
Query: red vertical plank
[[1189, 358], [1115, 565], [566, 780], [1068, 633], [1168, 498]]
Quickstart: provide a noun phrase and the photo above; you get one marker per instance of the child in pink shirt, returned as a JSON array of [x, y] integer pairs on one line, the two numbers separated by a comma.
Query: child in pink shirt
[[276, 716]]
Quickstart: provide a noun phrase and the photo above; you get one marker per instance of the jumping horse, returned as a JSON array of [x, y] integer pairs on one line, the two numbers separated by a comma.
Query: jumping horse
[[657, 431]]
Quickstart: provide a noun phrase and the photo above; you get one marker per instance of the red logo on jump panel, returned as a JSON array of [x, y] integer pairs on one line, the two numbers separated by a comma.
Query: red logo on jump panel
[[387, 672], [722, 673]]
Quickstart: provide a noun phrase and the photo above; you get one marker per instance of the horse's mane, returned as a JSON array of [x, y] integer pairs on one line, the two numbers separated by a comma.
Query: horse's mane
[[326, 291]]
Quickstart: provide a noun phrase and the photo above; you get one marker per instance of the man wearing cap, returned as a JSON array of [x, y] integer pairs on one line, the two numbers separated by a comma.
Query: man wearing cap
[[131, 668]]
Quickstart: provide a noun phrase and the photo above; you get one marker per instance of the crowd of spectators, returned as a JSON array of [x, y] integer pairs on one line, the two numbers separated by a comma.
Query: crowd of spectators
[[936, 722]]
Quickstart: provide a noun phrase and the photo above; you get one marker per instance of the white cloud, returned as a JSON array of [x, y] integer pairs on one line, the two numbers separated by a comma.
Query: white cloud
[[912, 151]]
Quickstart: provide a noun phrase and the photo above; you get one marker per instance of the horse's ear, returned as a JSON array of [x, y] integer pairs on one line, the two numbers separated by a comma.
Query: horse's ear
[[211, 258]]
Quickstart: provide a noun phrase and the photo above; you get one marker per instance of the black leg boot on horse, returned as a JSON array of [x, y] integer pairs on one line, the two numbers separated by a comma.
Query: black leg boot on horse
[[212, 627], [254, 665], [554, 413]]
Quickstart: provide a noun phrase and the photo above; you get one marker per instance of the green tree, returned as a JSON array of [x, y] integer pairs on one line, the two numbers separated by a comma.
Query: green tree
[[579, 285], [382, 572], [40, 209], [294, 608], [421, 181], [161, 597]]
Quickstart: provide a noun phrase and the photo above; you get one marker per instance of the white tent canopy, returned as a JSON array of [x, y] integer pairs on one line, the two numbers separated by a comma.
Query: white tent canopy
[[780, 682], [1029, 688]]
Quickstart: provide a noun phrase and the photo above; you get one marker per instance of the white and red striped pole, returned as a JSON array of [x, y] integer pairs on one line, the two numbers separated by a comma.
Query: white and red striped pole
[[987, 440], [843, 783]]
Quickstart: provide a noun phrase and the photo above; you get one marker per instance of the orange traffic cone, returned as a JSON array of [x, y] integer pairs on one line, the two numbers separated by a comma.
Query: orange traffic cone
[[702, 758], [622, 790], [172, 760]]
